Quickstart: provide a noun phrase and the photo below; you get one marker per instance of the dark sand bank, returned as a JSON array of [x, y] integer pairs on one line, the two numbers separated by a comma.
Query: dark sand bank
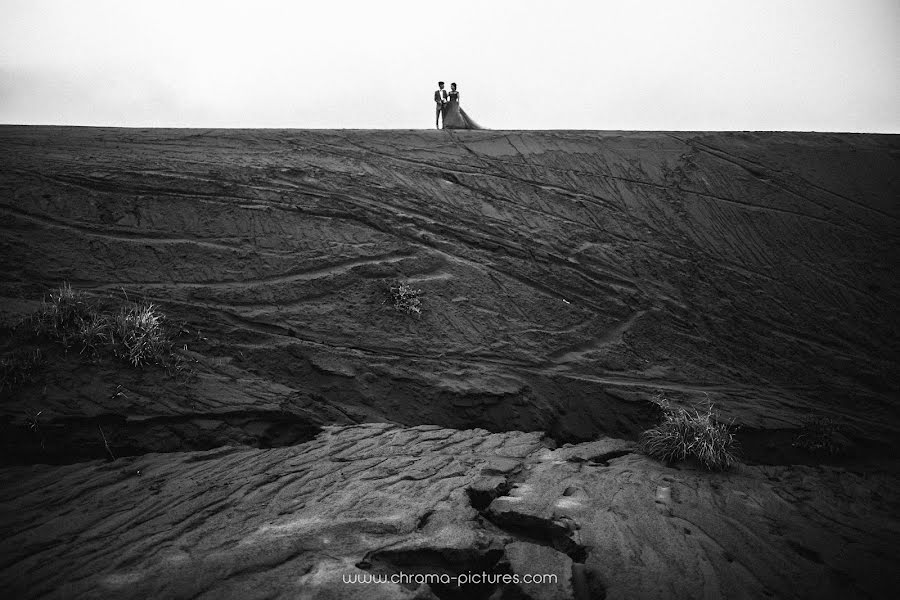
[[567, 277]]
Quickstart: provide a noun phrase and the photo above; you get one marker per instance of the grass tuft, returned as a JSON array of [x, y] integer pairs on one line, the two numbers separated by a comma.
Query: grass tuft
[[405, 298], [139, 337], [65, 315], [137, 333], [691, 433]]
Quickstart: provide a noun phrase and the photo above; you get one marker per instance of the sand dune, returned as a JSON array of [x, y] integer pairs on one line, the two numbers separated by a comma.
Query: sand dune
[[567, 278]]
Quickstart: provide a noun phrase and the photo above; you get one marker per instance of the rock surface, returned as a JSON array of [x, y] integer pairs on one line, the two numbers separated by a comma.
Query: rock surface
[[381, 500], [253, 523]]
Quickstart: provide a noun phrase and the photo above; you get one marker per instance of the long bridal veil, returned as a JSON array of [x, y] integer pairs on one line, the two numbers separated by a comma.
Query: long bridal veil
[[457, 118]]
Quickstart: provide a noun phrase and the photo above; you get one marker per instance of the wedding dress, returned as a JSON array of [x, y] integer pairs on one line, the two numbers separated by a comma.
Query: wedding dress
[[456, 117]]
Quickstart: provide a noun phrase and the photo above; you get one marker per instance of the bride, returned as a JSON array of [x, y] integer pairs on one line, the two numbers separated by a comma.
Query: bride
[[456, 117]]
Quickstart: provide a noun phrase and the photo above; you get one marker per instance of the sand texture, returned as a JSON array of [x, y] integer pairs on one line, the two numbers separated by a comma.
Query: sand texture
[[567, 278]]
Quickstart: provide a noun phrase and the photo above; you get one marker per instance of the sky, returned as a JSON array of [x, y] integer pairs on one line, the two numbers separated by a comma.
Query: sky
[[797, 65]]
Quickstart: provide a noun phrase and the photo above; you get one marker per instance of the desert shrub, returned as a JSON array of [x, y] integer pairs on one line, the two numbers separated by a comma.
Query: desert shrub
[[19, 366], [139, 335], [691, 433], [405, 298], [137, 332], [821, 435], [64, 314], [92, 334]]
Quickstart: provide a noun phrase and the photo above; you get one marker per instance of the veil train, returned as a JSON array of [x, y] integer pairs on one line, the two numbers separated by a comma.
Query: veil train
[[456, 117]]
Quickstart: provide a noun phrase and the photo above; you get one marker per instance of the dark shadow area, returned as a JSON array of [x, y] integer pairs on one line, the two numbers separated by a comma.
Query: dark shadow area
[[72, 440]]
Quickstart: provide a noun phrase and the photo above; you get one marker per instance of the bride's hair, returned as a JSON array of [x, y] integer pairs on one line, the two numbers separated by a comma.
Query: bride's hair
[[452, 85]]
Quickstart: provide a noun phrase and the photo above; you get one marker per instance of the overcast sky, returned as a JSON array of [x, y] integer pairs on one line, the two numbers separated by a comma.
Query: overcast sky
[[802, 65]]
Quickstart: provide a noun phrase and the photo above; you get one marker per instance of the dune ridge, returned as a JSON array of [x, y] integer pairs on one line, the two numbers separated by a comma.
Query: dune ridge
[[568, 278]]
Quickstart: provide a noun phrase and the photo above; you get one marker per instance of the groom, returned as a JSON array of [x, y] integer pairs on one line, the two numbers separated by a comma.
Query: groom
[[440, 101]]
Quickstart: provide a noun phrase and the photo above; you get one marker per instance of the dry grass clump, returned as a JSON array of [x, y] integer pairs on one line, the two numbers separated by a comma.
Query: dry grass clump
[[18, 367], [405, 298], [821, 435], [136, 333], [139, 336], [691, 434], [69, 317]]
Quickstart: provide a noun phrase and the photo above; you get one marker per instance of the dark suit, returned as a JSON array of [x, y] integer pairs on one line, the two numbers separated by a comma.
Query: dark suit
[[440, 99]]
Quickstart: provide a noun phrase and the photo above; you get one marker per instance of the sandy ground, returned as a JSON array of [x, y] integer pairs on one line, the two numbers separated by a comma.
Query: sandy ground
[[568, 277]]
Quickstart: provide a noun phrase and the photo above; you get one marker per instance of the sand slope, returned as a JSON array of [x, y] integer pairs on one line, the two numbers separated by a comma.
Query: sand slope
[[568, 277], [566, 274]]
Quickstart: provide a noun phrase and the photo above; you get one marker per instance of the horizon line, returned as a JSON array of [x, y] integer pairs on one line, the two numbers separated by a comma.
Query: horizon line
[[422, 129]]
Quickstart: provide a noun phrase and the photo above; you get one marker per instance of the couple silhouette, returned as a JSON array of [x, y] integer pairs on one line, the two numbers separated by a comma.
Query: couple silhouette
[[447, 109]]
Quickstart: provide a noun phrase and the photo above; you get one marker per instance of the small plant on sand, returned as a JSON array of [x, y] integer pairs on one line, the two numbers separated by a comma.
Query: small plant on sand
[[91, 334], [137, 333], [18, 367], [821, 435], [405, 298], [690, 433], [64, 315]]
